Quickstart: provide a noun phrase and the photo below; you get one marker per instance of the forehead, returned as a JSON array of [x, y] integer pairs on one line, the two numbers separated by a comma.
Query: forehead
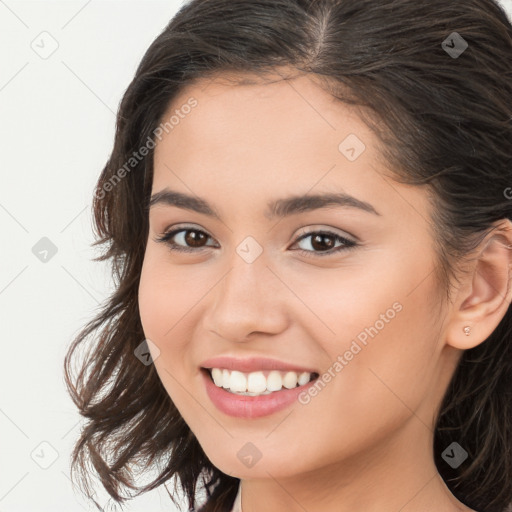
[[244, 143], [249, 106], [282, 125]]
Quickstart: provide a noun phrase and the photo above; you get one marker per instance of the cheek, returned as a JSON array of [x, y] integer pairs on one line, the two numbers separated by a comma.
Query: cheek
[[380, 334], [157, 308], [150, 297], [162, 295], [169, 301], [375, 389], [161, 306]]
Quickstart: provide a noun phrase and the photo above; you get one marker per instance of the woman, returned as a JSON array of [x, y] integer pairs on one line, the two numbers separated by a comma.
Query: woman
[[308, 212]]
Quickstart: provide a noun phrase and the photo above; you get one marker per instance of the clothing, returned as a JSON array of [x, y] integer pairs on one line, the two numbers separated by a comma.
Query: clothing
[[237, 505]]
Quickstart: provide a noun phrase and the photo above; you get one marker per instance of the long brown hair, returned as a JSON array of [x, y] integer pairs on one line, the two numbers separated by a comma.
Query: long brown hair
[[445, 122]]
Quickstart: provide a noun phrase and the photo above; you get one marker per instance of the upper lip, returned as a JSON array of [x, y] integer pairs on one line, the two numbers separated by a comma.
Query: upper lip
[[250, 364]]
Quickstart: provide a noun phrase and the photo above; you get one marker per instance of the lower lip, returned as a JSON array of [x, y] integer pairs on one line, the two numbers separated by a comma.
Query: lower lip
[[243, 406]]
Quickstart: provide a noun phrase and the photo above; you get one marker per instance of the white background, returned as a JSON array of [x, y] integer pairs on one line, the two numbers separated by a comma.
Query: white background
[[57, 120]]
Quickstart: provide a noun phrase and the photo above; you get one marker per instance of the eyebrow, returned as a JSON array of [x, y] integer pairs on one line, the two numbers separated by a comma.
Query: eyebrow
[[276, 208]]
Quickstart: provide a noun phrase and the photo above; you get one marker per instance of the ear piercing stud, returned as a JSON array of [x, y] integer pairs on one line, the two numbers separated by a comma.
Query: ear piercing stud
[[467, 330]]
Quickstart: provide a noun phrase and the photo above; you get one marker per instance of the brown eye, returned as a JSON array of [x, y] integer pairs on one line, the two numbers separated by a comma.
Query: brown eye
[[194, 238], [185, 239], [323, 243]]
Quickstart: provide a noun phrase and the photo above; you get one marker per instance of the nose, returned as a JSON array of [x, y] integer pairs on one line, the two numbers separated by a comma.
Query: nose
[[249, 299]]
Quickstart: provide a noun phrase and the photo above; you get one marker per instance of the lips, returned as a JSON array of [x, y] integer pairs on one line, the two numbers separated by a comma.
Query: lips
[[250, 407], [253, 364]]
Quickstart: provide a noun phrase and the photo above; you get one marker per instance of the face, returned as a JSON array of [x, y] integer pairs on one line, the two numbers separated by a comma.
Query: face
[[344, 289]]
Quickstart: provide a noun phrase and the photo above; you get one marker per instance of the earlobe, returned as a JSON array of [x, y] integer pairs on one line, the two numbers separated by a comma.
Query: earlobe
[[487, 294]]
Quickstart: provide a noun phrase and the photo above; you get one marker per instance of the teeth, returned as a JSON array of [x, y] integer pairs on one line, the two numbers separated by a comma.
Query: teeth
[[274, 381], [256, 383], [237, 382], [225, 379]]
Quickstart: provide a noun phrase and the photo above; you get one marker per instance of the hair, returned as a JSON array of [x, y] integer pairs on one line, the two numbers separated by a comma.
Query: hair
[[444, 123]]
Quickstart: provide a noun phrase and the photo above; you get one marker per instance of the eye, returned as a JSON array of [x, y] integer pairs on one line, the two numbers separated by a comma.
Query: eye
[[322, 242], [191, 236], [325, 241]]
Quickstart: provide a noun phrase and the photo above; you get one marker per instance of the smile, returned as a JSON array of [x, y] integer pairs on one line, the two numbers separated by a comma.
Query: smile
[[258, 382], [274, 390]]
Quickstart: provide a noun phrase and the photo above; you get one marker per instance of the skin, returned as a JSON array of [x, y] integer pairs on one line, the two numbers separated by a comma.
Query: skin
[[365, 442]]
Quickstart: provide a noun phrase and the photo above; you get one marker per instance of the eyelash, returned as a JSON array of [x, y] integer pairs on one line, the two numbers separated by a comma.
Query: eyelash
[[348, 244]]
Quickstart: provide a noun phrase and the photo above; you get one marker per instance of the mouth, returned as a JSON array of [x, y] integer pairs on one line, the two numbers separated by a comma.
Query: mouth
[[258, 383]]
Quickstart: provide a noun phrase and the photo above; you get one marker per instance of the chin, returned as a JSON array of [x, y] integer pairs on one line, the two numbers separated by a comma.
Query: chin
[[243, 460]]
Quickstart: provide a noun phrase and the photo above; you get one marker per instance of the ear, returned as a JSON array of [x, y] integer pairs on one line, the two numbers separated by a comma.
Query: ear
[[486, 293]]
